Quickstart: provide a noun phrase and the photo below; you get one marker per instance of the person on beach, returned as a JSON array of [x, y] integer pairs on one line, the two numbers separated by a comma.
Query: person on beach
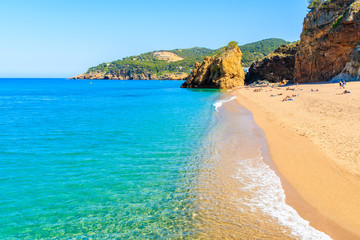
[[340, 84], [344, 83], [287, 98], [345, 92]]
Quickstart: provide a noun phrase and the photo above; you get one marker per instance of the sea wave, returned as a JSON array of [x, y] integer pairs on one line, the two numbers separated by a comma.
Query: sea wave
[[219, 103], [269, 197]]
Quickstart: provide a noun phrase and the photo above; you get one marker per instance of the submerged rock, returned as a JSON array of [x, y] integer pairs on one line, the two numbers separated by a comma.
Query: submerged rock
[[223, 71], [331, 30], [275, 67]]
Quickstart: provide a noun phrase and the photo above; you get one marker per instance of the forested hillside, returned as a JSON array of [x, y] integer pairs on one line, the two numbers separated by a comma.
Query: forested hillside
[[149, 62], [153, 65], [257, 50]]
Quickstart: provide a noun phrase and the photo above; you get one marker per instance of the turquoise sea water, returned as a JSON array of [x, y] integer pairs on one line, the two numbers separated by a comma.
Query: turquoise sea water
[[86, 159], [100, 159]]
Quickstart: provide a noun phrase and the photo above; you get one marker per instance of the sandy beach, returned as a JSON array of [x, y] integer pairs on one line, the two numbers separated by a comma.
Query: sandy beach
[[314, 142]]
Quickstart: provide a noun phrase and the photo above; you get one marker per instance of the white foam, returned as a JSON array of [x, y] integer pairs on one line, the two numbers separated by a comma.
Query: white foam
[[268, 196], [221, 102]]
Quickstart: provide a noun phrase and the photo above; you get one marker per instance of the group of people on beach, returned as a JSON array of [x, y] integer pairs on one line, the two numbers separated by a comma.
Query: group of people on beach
[[342, 84]]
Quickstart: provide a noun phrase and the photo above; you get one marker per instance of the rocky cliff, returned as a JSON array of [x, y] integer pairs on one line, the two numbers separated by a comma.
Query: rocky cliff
[[351, 71], [275, 67], [223, 71], [331, 30], [124, 74]]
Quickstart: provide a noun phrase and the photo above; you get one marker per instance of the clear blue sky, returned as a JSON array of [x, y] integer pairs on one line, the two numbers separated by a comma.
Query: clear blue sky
[[62, 38]]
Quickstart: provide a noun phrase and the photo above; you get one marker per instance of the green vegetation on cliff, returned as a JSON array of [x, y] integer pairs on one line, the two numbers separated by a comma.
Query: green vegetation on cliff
[[257, 50], [334, 5], [315, 3], [192, 52], [149, 63]]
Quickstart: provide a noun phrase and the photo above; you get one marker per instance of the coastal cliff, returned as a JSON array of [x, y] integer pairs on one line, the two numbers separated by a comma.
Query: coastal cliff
[[223, 71], [275, 67], [127, 74], [351, 71], [331, 31]]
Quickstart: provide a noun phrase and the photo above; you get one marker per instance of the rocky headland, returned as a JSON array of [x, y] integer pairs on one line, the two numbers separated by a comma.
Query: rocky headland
[[223, 71], [331, 31], [172, 64], [127, 74], [275, 67]]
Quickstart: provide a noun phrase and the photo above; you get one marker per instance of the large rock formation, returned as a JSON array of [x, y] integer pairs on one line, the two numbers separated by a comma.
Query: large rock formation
[[275, 67], [223, 71], [124, 74], [351, 71], [331, 30]]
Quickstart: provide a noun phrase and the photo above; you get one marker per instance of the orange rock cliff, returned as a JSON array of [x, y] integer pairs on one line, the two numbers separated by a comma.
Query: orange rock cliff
[[331, 31], [223, 71]]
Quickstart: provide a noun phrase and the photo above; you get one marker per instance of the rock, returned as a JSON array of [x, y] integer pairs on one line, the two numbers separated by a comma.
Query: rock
[[275, 67], [92, 75], [223, 71], [351, 72], [176, 76], [330, 33]]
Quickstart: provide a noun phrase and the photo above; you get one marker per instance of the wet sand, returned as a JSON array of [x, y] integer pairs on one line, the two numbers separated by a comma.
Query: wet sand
[[314, 142], [222, 212]]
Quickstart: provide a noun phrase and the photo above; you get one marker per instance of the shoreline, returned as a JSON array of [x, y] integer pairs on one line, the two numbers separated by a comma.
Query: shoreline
[[321, 190], [239, 196]]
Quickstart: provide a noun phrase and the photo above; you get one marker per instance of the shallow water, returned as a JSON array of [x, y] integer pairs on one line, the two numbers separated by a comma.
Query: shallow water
[[102, 160], [135, 160]]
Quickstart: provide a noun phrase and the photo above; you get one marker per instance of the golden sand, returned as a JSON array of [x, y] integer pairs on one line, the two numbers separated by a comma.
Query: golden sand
[[314, 141]]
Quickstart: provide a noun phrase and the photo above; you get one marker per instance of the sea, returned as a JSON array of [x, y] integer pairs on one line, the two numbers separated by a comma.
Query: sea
[[96, 159]]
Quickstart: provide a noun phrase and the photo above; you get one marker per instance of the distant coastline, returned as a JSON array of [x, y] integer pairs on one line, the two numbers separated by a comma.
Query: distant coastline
[[172, 64]]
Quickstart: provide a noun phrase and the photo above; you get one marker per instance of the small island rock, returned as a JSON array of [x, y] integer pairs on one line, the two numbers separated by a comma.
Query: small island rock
[[222, 71]]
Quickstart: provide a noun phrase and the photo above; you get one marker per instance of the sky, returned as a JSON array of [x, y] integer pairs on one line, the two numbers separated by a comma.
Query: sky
[[63, 38]]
